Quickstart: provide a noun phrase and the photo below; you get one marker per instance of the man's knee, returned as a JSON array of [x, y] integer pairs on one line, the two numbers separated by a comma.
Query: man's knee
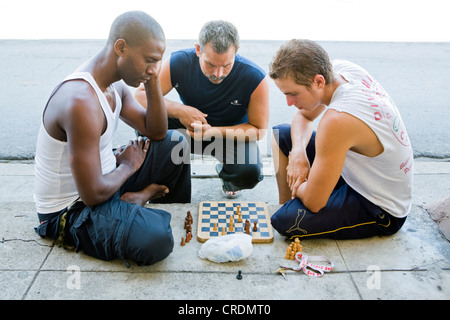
[[150, 238], [288, 219], [242, 176], [178, 146], [251, 175]]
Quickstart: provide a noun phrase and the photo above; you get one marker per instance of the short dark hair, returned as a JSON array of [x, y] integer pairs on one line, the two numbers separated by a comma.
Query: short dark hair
[[221, 34], [134, 27], [301, 60]]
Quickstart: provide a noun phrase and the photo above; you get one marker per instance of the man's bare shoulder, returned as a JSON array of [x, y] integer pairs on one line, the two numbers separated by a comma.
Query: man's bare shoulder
[[74, 105], [336, 128], [341, 130], [74, 93], [333, 120]]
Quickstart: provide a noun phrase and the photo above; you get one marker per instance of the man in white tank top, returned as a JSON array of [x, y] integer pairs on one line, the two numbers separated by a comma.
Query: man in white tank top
[[75, 160], [353, 177]]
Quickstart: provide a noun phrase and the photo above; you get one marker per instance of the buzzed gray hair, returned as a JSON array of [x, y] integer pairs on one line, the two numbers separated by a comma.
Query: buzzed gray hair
[[221, 34], [135, 27]]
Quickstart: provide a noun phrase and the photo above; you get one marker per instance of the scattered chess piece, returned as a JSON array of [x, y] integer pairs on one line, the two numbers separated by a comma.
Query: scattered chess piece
[[298, 246], [292, 256], [293, 248], [189, 216], [182, 242], [239, 275], [288, 253]]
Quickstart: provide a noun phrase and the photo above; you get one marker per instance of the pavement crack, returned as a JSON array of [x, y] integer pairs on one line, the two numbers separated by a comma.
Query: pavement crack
[[25, 240]]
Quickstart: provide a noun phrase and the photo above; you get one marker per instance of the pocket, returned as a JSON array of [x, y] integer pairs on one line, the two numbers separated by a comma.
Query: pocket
[[94, 233]]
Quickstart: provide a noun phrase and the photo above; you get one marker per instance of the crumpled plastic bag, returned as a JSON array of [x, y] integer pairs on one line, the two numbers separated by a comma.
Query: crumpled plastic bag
[[232, 247]]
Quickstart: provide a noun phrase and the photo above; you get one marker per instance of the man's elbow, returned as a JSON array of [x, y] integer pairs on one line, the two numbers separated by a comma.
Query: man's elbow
[[313, 204], [157, 136], [141, 97], [93, 199], [95, 195]]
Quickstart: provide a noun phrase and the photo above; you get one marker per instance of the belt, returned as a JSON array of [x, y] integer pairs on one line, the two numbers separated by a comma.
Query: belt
[[62, 224]]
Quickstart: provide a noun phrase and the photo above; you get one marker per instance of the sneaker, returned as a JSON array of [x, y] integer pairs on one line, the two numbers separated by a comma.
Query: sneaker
[[227, 193]]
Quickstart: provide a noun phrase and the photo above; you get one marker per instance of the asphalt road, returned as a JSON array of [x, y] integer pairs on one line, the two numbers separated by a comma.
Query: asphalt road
[[415, 75]]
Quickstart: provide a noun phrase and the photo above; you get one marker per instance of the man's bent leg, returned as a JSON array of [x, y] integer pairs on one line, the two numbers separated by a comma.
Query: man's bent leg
[[347, 215], [117, 229], [167, 163], [241, 165]]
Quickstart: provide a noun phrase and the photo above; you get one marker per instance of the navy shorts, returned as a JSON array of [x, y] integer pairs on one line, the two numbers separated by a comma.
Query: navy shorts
[[347, 214]]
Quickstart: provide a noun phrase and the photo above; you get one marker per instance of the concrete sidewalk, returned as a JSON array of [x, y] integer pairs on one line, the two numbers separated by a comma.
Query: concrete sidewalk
[[412, 264]]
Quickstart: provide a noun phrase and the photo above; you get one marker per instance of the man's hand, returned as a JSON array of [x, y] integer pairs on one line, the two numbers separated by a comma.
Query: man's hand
[[133, 154], [192, 115], [204, 132], [297, 170]]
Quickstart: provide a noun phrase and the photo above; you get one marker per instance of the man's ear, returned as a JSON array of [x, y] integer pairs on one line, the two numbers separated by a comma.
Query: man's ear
[[198, 50], [120, 47], [319, 81]]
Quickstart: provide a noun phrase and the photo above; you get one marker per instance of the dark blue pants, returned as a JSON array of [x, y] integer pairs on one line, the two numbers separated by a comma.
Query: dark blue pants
[[117, 229], [241, 162], [347, 214]]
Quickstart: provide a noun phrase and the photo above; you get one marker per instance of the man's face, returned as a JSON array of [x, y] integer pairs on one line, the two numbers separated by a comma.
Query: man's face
[[214, 66], [304, 98], [140, 62]]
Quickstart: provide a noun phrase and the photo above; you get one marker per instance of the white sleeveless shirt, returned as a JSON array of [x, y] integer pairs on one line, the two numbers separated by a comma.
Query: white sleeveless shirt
[[385, 180], [54, 186]]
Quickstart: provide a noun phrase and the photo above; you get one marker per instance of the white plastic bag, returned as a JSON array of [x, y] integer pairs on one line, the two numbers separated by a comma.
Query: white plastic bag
[[232, 247]]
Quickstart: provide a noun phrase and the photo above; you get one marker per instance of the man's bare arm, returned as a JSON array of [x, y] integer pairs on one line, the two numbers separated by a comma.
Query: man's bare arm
[[302, 127], [151, 121], [83, 122], [335, 135]]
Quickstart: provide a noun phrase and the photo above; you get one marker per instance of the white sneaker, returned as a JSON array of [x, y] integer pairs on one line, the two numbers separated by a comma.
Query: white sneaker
[[226, 193]]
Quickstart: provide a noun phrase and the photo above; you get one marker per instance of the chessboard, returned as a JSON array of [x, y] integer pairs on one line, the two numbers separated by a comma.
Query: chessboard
[[219, 212]]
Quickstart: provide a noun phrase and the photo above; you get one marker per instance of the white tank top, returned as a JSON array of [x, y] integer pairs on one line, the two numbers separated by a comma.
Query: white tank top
[[54, 186], [385, 180]]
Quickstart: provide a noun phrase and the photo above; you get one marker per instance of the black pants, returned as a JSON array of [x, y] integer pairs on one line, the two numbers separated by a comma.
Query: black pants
[[241, 161], [117, 229]]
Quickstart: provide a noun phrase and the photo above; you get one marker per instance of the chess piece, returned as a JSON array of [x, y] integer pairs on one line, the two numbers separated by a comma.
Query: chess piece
[[247, 227], [189, 217], [182, 242], [298, 246], [188, 237], [239, 216], [239, 275], [288, 253], [223, 231], [255, 228], [215, 227], [231, 225]]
